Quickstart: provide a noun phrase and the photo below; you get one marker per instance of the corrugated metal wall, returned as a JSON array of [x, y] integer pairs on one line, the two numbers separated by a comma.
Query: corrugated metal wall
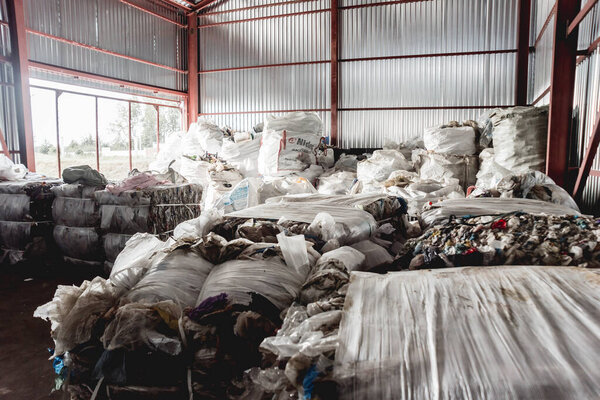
[[384, 92], [8, 109], [587, 105], [242, 78], [114, 26], [541, 38]]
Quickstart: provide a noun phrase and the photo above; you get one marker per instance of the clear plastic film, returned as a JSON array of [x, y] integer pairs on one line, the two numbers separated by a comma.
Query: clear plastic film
[[177, 276], [113, 244], [490, 206], [351, 224], [14, 207], [458, 140], [18, 235], [379, 167], [76, 190], [79, 243], [72, 211], [269, 277], [497, 332]]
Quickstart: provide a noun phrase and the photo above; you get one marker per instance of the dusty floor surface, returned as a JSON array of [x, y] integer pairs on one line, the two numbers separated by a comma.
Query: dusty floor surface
[[26, 372]]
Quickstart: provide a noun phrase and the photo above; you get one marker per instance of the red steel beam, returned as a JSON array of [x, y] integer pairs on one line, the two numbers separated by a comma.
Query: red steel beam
[[410, 108], [208, 71], [334, 73], [383, 3], [541, 96], [595, 173], [266, 111], [237, 21], [5, 149], [522, 64], [562, 88], [203, 4], [101, 78], [581, 15], [18, 35], [186, 8], [193, 93], [427, 55], [546, 23], [588, 159], [282, 3], [588, 52], [179, 24], [104, 51]]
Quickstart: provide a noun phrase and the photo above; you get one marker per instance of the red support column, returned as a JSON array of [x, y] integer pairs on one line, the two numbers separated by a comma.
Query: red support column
[[18, 36], [334, 73], [562, 88], [524, 10], [588, 159], [193, 97]]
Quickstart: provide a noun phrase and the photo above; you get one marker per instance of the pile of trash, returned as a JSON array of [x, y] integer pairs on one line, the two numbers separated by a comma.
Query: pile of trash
[[25, 214], [76, 216], [189, 313], [142, 203], [514, 238]]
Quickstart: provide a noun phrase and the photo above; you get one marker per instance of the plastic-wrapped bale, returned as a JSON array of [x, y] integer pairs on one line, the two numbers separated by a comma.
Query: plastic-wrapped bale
[[79, 243], [308, 337], [509, 239], [156, 210], [441, 167], [531, 185], [113, 244], [519, 137], [26, 200], [238, 307], [77, 218], [500, 332], [172, 282], [25, 240], [345, 224]]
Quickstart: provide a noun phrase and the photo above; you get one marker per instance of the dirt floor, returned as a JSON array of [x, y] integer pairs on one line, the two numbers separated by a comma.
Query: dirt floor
[[26, 373]]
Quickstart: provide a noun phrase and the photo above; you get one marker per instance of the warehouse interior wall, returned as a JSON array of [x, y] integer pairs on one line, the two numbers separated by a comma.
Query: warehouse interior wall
[[586, 100], [402, 66], [110, 38]]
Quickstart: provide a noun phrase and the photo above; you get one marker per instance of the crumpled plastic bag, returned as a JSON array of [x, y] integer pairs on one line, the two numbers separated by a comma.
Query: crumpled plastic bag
[[458, 140], [379, 167], [9, 171]]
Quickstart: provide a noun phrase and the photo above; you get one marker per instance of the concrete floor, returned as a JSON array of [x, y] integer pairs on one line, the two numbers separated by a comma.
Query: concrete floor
[[25, 372]]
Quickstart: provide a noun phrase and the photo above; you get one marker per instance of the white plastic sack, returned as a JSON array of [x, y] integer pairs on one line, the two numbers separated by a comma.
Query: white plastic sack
[[379, 167], [520, 137], [9, 171], [301, 122], [203, 137], [171, 150], [221, 181], [243, 195], [458, 141], [336, 182], [375, 254], [135, 259], [441, 167], [490, 173], [194, 171], [194, 229], [282, 186], [242, 155], [285, 152], [346, 162]]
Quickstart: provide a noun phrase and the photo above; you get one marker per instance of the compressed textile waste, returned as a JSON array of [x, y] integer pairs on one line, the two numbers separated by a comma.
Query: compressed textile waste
[[530, 185], [26, 219], [522, 332], [156, 209], [510, 239], [76, 216]]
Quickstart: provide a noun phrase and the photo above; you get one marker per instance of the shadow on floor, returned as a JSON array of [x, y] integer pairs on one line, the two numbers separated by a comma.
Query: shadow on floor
[[26, 373]]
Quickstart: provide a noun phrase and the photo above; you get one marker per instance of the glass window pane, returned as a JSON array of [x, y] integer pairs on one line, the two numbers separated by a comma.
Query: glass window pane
[[77, 130], [170, 121], [43, 114], [143, 135], [113, 128]]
